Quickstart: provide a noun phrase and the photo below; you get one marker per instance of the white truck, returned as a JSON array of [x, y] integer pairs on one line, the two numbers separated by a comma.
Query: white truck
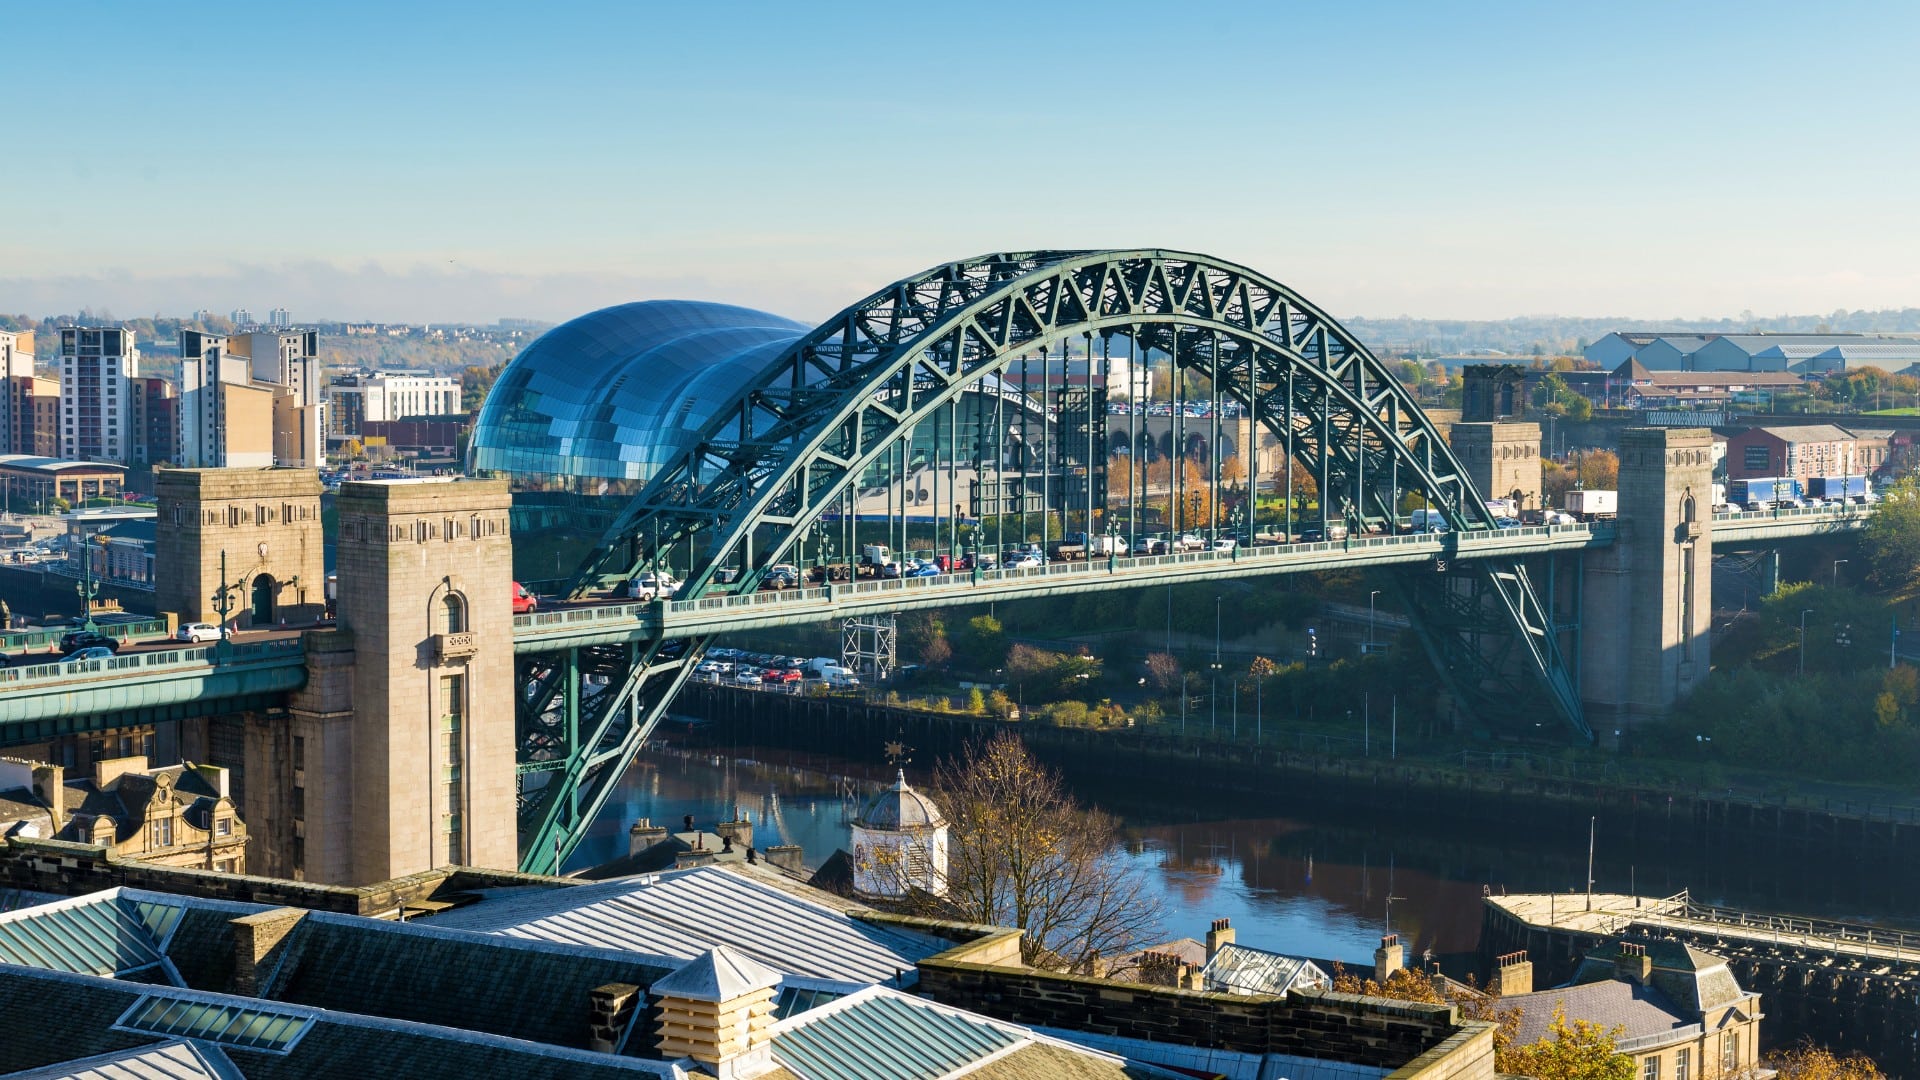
[[1590, 503]]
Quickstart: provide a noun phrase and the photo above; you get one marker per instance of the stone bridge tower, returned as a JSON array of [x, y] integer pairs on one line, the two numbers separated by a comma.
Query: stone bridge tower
[[1502, 460], [266, 525], [1648, 598]]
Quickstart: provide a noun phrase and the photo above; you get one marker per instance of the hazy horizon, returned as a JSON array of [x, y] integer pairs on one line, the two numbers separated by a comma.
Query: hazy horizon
[[466, 162]]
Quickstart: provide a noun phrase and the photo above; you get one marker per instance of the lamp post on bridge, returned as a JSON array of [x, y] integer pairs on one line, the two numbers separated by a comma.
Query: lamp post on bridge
[[86, 587]]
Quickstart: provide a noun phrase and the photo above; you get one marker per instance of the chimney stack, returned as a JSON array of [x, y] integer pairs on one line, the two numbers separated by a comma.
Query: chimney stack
[[716, 1010], [1632, 963], [1512, 974], [643, 835], [1388, 958], [49, 786], [610, 1010], [256, 940], [107, 770], [1221, 934]]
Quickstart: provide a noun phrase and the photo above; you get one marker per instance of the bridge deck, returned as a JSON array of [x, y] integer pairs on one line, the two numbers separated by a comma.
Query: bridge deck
[[1614, 913]]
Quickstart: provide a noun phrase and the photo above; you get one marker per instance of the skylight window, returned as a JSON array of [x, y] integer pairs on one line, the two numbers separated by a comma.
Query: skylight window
[[247, 1027]]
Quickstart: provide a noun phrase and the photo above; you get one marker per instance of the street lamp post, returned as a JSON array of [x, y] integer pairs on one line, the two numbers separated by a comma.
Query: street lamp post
[[1213, 703], [1836, 571], [1803, 640], [87, 587], [1370, 597]]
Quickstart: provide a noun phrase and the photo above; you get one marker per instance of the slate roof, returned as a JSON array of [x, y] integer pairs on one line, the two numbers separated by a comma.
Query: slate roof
[[1640, 1010], [74, 1018], [1806, 433], [682, 913], [1246, 970]]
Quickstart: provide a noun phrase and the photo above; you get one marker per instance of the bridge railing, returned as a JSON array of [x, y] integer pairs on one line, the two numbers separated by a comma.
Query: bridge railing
[[1788, 513], [148, 662], [1760, 924], [561, 619]]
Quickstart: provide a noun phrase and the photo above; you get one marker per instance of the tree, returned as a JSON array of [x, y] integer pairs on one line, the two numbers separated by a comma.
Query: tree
[[1571, 1050], [983, 645], [1892, 540], [1022, 853], [1164, 670], [1411, 984], [1810, 1062]]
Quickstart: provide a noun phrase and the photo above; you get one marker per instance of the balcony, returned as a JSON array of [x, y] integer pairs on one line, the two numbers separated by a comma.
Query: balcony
[[455, 646]]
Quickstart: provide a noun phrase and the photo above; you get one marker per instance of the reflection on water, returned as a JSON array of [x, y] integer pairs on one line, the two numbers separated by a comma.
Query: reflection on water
[[1286, 884], [1293, 875]]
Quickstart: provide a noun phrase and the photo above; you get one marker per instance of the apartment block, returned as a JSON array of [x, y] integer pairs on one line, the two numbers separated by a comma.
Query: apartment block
[[34, 404], [156, 413], [355, 398], [16, 361], [97, 366], [250, 399]]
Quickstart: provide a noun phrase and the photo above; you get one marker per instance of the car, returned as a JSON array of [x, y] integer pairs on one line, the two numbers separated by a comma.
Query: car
[[1022, 560], [746, 676], [75, 640], [1225, 545], [1150, 545], [925, 570], [649, 587], [92, 652], [198, 631], [523, 601], [1506, 523], [891, 569], [726, 575], [1189, 542]]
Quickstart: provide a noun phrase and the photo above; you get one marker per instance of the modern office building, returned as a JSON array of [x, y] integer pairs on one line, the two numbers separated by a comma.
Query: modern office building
[[353, 398], [250, 399], [97, 366]]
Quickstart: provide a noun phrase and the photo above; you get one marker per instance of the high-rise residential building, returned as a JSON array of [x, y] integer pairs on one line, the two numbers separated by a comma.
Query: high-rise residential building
[[16, 361], [357, 397], [156, 413], [35, 404], [250, 399], [97, 366], [242, 317], [280, 319]]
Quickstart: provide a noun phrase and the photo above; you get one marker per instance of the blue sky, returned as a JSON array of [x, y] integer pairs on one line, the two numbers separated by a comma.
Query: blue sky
[[474, 160]]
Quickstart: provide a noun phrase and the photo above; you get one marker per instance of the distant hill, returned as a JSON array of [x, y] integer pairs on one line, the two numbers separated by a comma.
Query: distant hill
[[1567, 335]]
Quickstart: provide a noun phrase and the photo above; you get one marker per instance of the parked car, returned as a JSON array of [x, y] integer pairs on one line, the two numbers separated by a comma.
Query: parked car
[[523, 601], [1150, 545], [198, 631], [1225, 545], [74, 640], [746, 676], [92, 652]]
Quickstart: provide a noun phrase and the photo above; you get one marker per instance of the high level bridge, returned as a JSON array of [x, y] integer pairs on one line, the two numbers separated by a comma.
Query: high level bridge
[[1111, 396]]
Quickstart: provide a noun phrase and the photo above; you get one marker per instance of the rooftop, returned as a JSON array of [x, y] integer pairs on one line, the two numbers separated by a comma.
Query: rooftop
[[55, 465]]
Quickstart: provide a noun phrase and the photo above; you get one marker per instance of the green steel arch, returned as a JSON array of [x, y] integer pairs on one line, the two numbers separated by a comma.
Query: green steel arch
[[790, 442]]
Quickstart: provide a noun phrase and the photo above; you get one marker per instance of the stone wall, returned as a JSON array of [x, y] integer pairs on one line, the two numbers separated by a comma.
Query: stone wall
[[68, 869], [1340, 1027]]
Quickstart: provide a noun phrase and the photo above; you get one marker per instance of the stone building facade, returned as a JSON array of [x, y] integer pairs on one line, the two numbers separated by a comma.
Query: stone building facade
[[1502, 460], [266, 524]]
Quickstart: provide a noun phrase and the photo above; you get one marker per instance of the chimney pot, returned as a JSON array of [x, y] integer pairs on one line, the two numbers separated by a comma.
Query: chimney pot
[[1220, 936], [1388, 958]]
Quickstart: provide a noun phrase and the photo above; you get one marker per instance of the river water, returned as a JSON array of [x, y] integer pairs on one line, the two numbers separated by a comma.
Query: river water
[[1294, 878]]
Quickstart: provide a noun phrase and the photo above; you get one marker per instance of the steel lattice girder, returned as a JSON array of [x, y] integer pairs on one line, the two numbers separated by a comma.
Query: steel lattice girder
[[790, 442]]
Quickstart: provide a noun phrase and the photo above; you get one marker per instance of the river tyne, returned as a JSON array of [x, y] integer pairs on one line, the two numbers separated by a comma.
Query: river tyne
[[1292, 875]]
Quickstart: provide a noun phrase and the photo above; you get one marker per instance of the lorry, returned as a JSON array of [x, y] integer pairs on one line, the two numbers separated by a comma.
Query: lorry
[[874, 560], [1589, 503], [1763, 492], [1077, 545], [1838, 490]]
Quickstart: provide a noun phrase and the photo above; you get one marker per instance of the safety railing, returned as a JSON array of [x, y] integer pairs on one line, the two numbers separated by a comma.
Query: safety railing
[[146, 663], [1850, 512], [16, 640]]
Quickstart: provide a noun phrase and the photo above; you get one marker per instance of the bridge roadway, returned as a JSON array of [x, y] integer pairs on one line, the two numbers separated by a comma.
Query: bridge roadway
[[154, 681]]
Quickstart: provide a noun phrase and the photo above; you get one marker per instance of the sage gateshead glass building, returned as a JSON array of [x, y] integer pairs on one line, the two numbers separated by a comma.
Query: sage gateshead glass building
[[597, 405]]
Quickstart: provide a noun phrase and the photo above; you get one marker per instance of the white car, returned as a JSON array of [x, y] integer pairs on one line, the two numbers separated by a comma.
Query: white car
[[646, 587], [198, 631], [1225, 545]]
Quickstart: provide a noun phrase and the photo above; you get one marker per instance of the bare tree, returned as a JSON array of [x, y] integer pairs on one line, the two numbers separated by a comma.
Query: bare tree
[[1164, 670], [1023, 853]]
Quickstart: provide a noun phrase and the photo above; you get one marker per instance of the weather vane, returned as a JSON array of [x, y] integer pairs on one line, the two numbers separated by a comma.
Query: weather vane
[[898, 753]]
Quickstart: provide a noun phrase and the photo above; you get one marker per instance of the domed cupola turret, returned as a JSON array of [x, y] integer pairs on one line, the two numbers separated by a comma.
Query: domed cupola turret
[[899, 845]]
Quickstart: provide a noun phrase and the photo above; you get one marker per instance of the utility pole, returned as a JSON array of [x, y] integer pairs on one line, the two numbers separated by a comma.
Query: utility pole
[[1593, 825]]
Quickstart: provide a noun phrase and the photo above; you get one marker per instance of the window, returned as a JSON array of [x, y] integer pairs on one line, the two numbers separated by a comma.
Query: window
[[1730, 1052], [223, 827], [163, 832], [299, 801], [1682, 1058], [299, 752], [1651, 1070], [456, 614]]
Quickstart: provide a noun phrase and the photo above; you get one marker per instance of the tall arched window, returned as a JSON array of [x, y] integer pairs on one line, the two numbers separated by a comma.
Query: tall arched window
[[456, 614]]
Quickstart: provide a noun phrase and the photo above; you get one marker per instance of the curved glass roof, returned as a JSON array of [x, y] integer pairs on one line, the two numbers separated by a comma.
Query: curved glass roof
[[615, 394]]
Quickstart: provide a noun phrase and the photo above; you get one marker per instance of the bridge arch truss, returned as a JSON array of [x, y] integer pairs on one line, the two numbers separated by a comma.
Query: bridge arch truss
[[793, 443]]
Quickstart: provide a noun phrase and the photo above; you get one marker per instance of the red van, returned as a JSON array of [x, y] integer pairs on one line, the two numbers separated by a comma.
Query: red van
[[523, 601]]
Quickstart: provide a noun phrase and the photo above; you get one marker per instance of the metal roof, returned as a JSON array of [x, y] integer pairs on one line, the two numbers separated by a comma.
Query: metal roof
[[155, 1061], [47, 464], [717, 975], [878, 1034], [90, 935], [683, 913], [1246, 970]]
